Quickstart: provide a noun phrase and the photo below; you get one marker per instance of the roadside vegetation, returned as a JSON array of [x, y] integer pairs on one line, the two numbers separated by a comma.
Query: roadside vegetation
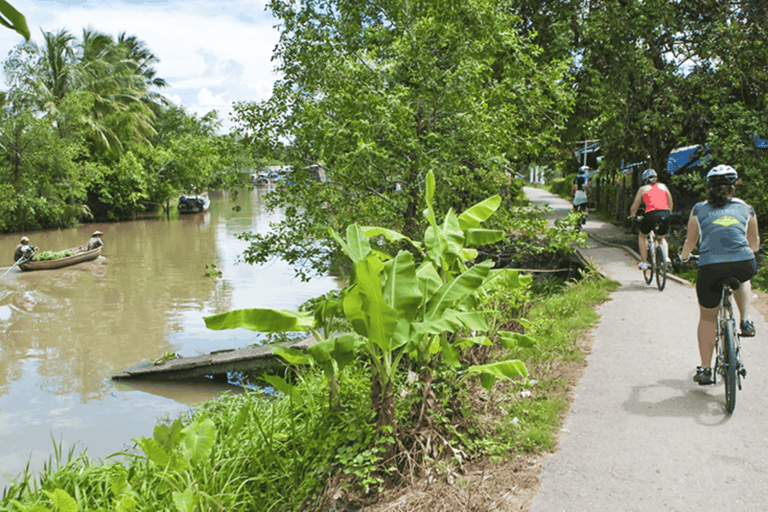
[[436, 338]]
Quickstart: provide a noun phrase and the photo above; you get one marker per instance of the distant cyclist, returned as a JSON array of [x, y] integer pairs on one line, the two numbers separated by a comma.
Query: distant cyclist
[[726, 230], [580, 192], [658, 206]]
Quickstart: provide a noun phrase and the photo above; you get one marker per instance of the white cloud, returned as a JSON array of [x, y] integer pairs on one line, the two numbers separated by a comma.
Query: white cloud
[[211, 52]]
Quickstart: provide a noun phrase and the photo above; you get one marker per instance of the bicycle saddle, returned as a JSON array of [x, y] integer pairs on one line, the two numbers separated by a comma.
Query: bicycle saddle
[[732, 283]]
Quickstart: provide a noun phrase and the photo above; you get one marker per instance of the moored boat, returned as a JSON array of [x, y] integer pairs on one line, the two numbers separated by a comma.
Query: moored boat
[[194, 203], [79, 255]]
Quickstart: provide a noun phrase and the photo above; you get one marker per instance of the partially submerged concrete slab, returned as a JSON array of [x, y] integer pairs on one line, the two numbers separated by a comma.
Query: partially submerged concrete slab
[[217, 363]]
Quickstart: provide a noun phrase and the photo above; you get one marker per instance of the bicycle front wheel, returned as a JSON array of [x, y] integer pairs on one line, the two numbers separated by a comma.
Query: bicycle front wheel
[[730, 365], [661, 269]]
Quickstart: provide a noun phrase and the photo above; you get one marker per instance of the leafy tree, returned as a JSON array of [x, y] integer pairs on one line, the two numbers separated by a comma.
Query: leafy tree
[[376, 95]]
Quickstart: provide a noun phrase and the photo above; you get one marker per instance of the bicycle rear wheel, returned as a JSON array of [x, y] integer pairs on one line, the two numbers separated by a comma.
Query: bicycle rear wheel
[[730, 365], [661, 269]]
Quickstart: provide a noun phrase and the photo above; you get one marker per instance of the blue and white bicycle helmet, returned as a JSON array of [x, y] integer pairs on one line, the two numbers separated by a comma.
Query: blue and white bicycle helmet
[[722, 175], [648, 175], [583, 169]]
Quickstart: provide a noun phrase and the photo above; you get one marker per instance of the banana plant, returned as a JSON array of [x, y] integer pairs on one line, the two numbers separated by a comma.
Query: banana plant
[[331, 353], [413, 303]]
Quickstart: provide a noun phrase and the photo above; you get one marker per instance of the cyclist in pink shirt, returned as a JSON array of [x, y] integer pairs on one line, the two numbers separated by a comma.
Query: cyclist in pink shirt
[[658, 207]]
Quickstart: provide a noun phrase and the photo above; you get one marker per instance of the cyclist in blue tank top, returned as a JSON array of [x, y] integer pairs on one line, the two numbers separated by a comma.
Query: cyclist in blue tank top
[[726, 230]]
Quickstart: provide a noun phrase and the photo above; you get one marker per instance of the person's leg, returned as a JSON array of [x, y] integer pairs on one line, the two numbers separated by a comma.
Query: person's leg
[[642, 243], [741, 297], [664, 247], [706, 334]]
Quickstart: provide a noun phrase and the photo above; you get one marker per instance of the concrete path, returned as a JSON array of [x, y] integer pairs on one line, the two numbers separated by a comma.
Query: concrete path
[[641, 435]]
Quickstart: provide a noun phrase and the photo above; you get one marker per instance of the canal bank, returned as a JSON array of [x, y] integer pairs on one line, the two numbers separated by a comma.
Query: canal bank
[[66, 332]]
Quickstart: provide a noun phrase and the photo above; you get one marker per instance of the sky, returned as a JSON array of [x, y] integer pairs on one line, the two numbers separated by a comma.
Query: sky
[[212, 52]]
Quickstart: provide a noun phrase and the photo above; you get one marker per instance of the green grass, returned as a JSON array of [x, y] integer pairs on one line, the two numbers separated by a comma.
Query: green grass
[[558, 320]]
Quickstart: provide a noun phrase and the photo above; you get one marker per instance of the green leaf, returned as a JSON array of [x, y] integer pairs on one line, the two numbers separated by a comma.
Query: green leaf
[[489, 373], [401, 290], [477, 237], [365, 308], [13, 19], [509, 278], [153, 451], [168, 437], [185, 501], [322, 354], [429, 280], [445, 242], [392, 236], [127, 504], [62, 501], [479, 213], [283, 387], [358, 246], [511, 340], [429, 196], [198, 439], [474, 340], [261, 320], [455, 290], [242, 417], [291, 355], [450, 354], [344, 350]]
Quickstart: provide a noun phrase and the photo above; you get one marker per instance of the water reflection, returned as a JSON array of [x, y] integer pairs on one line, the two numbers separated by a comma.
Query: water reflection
[[66, 331]]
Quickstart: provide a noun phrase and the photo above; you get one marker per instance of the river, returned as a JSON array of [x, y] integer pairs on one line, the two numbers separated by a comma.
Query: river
[[65, 332]]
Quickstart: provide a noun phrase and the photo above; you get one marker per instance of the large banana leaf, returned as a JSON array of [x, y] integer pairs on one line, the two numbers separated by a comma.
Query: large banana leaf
[[483, 236], [428, 279], [341, 350], [401, 290], [457, 289], [445, 242], [13, 19], [365, 308], [429, 195], [479, 213], [357, 246], [261, 320], [490, 373]]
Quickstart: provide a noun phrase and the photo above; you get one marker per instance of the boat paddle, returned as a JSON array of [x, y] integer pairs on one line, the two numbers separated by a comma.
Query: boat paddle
[[27, 256]]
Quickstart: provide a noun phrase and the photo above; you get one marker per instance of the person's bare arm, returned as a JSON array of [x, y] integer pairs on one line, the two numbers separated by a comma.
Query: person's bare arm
[[691, 239], [636, 202], [753, 235]]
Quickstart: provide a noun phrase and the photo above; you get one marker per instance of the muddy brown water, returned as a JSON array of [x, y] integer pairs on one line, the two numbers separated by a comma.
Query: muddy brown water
[[65, 332]]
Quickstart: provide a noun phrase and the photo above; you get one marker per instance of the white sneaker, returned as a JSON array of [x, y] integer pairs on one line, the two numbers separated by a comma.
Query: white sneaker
[[642, 265]]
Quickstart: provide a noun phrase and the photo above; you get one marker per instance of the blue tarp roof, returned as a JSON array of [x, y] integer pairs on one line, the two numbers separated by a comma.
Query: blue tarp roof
[[683, 158]]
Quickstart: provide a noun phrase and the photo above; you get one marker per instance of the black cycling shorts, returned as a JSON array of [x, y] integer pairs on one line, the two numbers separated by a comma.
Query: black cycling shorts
[[709, 283], [660, 217]]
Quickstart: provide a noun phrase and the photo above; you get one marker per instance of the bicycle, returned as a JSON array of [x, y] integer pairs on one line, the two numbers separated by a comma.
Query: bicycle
[[656, 264], [582, 220], [727, 345]]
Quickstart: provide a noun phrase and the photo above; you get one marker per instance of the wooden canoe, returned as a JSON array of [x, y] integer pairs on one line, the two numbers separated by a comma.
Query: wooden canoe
[[80, 255]]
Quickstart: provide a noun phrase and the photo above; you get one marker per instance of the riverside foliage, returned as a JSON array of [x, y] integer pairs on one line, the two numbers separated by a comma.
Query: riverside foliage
[[84, 134]]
